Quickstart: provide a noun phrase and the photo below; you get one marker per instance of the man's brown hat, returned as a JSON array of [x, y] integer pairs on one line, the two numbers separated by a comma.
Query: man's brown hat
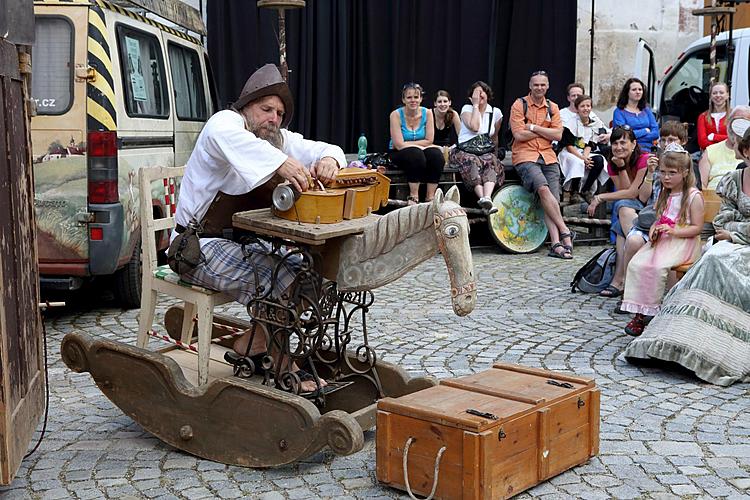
[[264, 82]]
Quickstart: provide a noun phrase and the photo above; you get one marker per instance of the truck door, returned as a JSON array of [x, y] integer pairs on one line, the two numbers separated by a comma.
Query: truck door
[[58, 135], [644, 68]]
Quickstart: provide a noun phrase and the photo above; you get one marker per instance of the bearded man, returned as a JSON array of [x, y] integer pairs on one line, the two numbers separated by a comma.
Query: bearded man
[[241, 154]]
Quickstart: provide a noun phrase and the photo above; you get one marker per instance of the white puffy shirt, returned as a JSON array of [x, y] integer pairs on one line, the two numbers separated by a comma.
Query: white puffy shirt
[[466, 133], [230, 159]]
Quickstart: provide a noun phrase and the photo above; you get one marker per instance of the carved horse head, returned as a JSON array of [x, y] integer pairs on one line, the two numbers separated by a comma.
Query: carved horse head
[[452, 231]]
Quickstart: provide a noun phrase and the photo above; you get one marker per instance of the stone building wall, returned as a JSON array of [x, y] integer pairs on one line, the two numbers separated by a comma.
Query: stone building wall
[[668, 26]]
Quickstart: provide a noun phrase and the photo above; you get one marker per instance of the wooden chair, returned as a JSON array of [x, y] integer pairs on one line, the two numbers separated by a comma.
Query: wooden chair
[[199, 301], [712, 205]]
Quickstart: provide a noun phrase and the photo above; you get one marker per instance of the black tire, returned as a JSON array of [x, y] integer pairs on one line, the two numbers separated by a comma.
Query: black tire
[[128, 280]]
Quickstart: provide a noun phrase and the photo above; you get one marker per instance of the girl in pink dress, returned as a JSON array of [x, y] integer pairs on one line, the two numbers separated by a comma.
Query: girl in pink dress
[[675, 238]]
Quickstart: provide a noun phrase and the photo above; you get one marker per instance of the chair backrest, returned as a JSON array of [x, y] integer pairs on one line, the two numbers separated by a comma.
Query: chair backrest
[[167, 201], [711, 204]]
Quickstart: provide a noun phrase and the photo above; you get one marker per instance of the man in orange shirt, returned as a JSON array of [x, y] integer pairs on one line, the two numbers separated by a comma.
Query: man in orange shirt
[[535, 160]]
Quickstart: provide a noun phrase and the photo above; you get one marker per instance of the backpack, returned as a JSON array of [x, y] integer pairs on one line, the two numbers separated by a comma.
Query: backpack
[[507, 135], [596, 274]]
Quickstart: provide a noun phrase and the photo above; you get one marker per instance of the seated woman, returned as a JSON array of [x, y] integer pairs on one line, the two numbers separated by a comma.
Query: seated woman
[[447, 123], [583, 162], [704, 322], [481, 172], [412, 132], [711, 124], [720, 158], [633, 110], [627, 168]]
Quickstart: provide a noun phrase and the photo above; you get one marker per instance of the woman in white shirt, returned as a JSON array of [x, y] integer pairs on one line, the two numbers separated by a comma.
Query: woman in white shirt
[[480, 172], [581, 163]]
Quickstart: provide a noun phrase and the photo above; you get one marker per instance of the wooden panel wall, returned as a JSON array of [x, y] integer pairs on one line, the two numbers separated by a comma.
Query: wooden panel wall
[[741, 18], [21, 354]]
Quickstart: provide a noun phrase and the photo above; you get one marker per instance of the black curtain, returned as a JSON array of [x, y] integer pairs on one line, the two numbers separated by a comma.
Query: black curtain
[[349, 58]]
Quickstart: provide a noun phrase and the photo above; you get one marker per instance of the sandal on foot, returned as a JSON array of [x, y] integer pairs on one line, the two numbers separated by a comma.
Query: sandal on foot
[[610, 292], [565, 254], [572, 236], [636, 326], [412, 200]]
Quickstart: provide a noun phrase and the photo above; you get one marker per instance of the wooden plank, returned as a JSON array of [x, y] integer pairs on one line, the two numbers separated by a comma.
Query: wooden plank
[[21, 356], [172, 10], [543, 447], [382, 448], [264, 222], [544, 373], [594, 408]]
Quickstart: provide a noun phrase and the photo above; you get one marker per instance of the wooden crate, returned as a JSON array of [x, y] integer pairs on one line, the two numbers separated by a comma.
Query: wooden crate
[[531, 430]]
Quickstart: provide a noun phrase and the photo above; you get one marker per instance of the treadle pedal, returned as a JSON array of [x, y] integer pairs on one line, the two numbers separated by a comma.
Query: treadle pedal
[[328, 389]]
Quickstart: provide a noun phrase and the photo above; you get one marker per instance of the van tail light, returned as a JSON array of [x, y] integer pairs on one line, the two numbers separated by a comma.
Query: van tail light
[[101, 148]]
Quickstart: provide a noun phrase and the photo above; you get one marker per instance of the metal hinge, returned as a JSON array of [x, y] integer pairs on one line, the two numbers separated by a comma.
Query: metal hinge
[[85, 73], [84, 218]]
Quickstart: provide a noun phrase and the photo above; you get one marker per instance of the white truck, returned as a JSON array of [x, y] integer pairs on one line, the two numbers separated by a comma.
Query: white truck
[[682, 92]]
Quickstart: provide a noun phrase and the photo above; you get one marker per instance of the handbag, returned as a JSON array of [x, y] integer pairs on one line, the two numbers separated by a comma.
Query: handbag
[[645, 219], [184, 253], [480, 144]]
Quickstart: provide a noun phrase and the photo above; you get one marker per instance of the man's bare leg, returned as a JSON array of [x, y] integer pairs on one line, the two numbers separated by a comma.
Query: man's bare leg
[[552, 216], [259, 342]]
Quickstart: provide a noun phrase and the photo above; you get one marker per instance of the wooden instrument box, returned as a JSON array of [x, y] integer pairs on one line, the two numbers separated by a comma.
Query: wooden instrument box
[[503, 431]]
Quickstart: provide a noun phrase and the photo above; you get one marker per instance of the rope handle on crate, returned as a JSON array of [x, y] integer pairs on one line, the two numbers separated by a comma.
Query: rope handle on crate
[[435, 473]]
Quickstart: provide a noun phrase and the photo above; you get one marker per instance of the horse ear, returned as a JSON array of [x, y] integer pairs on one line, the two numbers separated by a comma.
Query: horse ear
[[438, 200], [453, 195]]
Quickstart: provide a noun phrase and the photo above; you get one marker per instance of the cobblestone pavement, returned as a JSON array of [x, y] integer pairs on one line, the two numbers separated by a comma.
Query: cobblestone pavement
[[664, 434]]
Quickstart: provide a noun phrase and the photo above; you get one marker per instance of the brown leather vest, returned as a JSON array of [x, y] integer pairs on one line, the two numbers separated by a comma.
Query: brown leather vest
[[218, 218]]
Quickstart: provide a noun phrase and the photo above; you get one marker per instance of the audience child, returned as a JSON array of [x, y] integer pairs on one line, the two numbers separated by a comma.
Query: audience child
[[633, 110], [712, 124], [672, 132], [412, 132], [674, 238]]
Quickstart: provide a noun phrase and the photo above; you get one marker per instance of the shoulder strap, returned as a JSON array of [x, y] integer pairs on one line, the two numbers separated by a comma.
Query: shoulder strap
[[525, 109]]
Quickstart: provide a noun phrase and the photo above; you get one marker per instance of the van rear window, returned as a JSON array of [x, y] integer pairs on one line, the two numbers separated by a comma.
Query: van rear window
[[52, 68], [143, 76], [187, 78]]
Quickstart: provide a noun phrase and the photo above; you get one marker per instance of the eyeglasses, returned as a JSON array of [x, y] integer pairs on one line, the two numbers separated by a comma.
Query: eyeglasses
[[625, 127], [539, 73]]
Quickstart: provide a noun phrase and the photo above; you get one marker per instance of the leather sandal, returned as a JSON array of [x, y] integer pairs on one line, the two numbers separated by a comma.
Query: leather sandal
[[572, 236], [636, 326], [412, 200], [565, 254]]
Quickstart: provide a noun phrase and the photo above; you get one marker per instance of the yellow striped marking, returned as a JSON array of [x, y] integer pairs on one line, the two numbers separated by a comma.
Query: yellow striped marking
[[99, 113], [98, 23], [98, 51], [103, 86]]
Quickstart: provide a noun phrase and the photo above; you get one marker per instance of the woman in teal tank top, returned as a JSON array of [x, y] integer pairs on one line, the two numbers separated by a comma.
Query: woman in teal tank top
[[412, 132]]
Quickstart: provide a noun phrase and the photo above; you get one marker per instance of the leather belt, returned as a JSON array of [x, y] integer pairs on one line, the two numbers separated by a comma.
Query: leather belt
[[226, 234]]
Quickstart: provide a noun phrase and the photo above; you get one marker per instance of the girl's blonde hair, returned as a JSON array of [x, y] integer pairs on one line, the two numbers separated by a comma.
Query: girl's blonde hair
[[682, 162]]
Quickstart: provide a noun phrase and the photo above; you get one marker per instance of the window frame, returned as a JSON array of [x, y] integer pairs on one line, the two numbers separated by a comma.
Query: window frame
[[721, 50], [71, 84], [203, 87], [122, 29]]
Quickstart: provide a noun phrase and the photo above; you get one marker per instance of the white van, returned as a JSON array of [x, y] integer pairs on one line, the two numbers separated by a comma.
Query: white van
[[682, 93], [115, 91]]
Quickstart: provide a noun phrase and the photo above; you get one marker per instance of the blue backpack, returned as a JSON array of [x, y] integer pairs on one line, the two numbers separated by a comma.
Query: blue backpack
[[596, 274]]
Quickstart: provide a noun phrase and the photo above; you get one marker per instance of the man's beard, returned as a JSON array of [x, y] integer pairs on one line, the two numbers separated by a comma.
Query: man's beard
[[269, 133]]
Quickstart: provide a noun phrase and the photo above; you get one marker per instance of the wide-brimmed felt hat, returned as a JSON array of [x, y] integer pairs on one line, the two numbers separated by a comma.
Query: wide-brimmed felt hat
[[264, 82]]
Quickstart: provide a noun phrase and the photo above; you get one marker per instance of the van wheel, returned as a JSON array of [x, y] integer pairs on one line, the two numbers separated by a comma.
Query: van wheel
[[128, 280]]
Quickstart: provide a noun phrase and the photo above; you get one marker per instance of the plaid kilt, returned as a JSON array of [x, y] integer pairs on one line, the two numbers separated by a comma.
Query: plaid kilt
[[230, 269]]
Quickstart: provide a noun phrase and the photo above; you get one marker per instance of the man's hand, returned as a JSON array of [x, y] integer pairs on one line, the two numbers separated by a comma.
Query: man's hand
[[325, 170], [294, 172], [722, 234]]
